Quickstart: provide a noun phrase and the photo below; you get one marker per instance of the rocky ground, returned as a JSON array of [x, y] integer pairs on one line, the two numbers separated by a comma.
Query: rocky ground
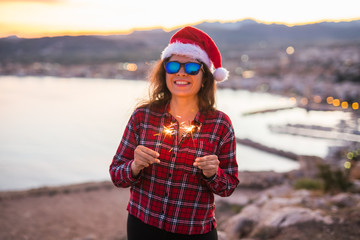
[[264, 206], [281, 213]]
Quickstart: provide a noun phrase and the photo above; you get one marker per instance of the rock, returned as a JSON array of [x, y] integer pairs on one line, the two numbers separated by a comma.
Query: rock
[[242, 224], [278, 203], [309, 165], [355, 170], [287, 216], [345, 200], [355, 186], [261, 179], [274, 209], [303, 193], [279, 191], [222, 235]]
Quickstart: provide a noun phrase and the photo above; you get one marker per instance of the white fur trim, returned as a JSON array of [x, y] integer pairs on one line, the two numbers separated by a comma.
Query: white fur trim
[[187, 49], [221, 74]]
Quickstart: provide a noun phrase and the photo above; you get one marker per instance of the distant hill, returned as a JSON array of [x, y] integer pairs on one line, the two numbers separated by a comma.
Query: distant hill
[[147, 45]]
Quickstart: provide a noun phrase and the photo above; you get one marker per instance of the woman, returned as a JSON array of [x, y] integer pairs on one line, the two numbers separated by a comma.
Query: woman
[[177, 151]]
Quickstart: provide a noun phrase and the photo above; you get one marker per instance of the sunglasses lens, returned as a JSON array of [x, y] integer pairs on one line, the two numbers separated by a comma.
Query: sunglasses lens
[[192, 68], [172, 67]]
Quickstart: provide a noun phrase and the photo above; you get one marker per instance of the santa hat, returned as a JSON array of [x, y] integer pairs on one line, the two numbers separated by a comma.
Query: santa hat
[[194, 43]]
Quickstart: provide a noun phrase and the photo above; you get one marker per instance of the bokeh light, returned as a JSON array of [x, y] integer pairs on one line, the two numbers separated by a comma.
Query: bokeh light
[[293, 100], [132, 67], [290, 50], [347, 165], [336, 102], [329, 100], [355, 105], [317, 99], [344, 105], [304, 101]]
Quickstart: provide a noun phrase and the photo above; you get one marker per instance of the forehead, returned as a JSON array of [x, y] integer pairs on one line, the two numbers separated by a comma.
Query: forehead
[[182, 58]]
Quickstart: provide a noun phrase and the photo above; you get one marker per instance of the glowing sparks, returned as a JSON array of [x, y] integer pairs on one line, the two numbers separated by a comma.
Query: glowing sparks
[[185, 129], [169, 130]]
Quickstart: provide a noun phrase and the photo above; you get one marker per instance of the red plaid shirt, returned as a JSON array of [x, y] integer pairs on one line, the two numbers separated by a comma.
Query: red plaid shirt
[[174, 195]]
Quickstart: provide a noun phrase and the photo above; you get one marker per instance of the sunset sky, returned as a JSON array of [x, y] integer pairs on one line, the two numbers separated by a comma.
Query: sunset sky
[[36, 18]]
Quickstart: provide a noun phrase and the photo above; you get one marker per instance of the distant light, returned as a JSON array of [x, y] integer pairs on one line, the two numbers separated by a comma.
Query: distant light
[[336, 102], [238, 70], [317, 99], [293, 100], [355, 106], [248, 74], [347, 165], [344, 105], [329, 100], [132, 67], [304, 101], [290, 50], [350, 155], [244, 58]]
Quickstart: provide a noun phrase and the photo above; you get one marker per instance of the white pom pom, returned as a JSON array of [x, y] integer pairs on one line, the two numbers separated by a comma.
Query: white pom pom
[[221, 74]]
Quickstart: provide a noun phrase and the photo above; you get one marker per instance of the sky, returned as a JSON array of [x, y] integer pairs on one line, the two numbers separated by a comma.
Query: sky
[[38, 18]]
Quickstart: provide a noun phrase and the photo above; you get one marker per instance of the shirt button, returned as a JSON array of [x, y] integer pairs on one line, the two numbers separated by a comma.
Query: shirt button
[[170, 175]]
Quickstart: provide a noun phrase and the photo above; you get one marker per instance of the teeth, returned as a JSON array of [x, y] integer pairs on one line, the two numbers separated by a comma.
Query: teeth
[[181, 82]]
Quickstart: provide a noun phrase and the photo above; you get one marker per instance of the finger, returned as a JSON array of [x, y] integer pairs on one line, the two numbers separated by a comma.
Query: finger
[[144, 156], [206, 164], [149, 151], [206, 158], [208, 167]]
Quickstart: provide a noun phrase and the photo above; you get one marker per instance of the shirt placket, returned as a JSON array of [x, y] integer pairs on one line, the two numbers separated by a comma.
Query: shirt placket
[[168, 182], [176, 143]]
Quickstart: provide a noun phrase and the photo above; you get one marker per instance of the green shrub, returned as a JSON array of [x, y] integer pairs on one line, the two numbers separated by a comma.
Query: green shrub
[[335, 180], [309, 184]]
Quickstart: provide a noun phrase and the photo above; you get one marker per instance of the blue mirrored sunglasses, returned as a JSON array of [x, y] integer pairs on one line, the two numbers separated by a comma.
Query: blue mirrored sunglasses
[[191, 68]]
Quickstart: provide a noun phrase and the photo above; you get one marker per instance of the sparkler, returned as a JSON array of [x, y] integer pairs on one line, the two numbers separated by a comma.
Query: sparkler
[[189, 129], [166, 131], [170, 130]]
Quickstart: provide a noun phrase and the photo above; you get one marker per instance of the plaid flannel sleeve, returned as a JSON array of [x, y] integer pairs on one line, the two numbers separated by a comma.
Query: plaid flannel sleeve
[[226, 180], [120, 168]]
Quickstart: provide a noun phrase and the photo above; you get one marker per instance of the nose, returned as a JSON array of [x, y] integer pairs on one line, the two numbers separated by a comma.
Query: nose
[[181, 71]]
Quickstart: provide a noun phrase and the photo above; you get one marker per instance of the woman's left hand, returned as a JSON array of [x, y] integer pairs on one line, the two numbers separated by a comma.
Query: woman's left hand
[[208, 164]]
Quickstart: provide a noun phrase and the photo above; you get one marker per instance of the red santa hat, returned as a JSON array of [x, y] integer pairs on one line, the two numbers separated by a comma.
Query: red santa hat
[[194, 43]]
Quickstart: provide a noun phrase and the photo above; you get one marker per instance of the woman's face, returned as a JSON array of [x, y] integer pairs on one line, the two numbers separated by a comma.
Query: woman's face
[[181, 84]]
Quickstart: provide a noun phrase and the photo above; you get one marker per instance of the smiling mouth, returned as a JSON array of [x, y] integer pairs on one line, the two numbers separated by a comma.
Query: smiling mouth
[[181, 83]]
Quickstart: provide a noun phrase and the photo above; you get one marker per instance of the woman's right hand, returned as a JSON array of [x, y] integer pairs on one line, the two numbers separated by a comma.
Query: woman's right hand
[[143, 157]]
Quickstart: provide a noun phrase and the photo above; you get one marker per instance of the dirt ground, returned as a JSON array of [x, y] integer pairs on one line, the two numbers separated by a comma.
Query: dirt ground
[[79, 212]]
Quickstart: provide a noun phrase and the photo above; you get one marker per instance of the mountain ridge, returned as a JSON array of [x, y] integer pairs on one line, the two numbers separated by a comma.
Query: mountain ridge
[[147, 45]]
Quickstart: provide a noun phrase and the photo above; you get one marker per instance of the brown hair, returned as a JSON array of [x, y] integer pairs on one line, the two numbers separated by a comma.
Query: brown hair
[[159, 94]]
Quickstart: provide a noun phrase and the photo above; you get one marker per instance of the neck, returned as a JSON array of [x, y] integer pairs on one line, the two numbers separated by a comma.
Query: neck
[[183, 109]]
